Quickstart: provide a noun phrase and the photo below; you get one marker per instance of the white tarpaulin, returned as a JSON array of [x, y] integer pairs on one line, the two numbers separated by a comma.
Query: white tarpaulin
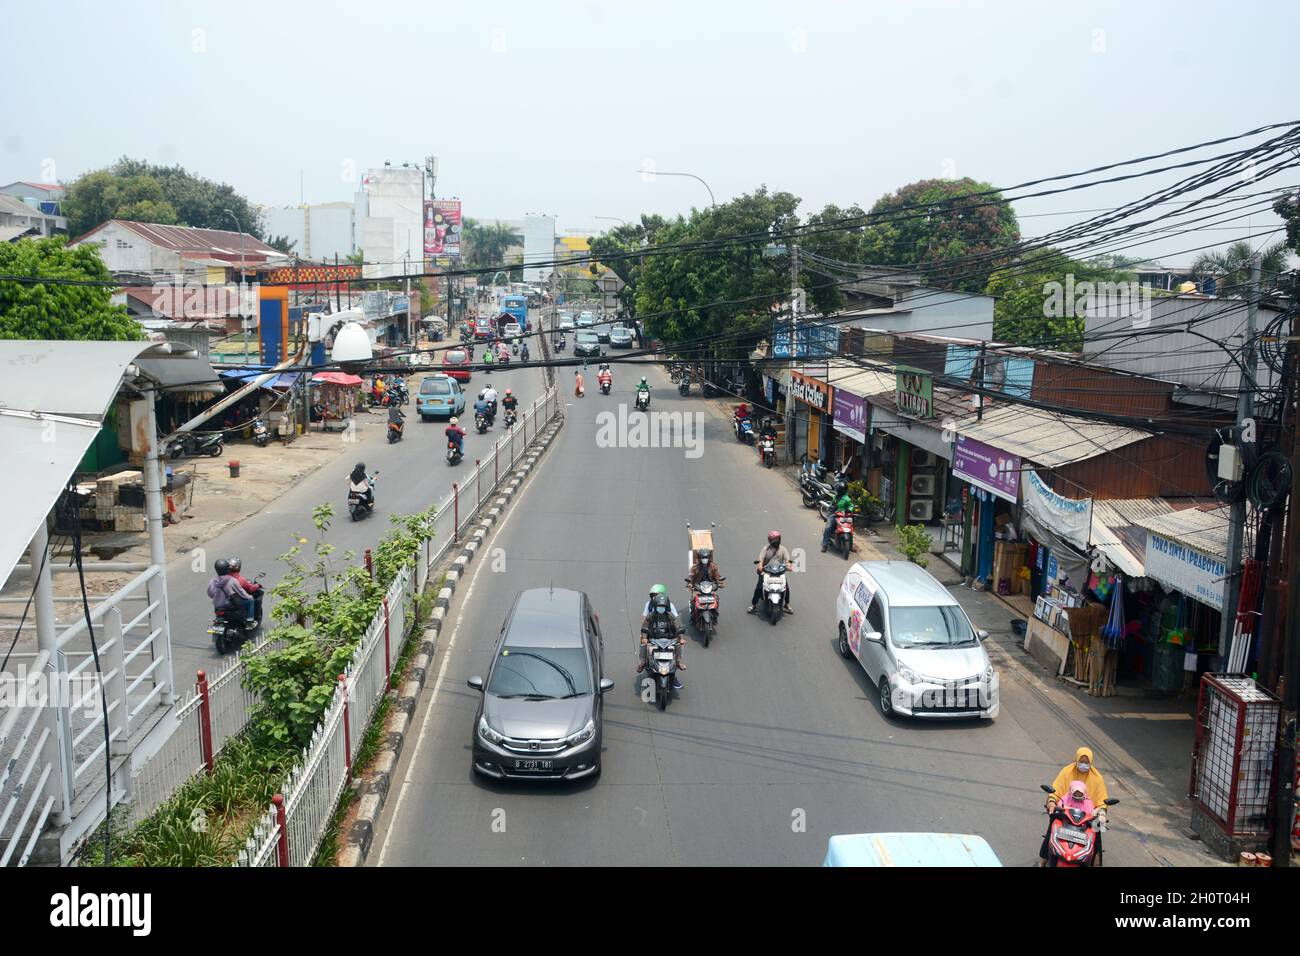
[[1069, 517], [53, 399]]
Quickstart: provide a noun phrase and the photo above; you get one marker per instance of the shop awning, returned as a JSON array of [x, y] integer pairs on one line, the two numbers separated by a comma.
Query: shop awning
[[336, 378], [283, 380], [1046, 438]]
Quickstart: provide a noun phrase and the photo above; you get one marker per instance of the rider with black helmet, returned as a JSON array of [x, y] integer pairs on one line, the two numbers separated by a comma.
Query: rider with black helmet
[[226, 591], [774, 549]]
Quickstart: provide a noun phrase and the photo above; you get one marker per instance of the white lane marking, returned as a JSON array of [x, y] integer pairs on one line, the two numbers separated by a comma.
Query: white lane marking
[[437, 686]]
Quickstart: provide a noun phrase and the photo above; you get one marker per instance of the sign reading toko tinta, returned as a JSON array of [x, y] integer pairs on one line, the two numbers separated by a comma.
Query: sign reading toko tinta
[[1195, 573], [914, 392]]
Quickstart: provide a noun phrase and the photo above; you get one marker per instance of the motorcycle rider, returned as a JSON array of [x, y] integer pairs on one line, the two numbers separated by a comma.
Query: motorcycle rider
[[359, 482], [503, 352], [774, 550], [703, 568], [510, 403], [377, 389], [456, 434], [1083, 770], [395, 418], [765, 431], [236, 565], [523, 351], [643, 385], [660, 603], [482, 407], [225, 590], [604, 376], [842, 503]]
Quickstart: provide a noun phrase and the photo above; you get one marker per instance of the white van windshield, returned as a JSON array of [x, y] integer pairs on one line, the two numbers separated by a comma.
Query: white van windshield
[[929, 627]]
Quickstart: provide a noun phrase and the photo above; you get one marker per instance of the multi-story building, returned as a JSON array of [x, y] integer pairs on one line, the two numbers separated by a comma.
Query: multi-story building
[[318, 231]]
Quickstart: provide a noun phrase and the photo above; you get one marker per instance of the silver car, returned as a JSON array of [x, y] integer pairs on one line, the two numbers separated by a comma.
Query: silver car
[[915, 641]]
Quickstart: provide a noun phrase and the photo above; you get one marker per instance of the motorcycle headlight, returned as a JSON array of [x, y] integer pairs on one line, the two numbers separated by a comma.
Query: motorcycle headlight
[[487, 733], [583, 735]]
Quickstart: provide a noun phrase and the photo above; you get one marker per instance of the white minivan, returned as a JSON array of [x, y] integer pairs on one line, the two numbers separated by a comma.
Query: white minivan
[[915, 641]]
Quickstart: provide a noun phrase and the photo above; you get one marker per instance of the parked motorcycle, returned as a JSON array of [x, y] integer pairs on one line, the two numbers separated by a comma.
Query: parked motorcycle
[[261, 434], [359, 506], [684, 386], [774, 587], [767, 448], [643, 399], [230, 628], [704, 608], [817, 484], [192, 445], [744, 430], [453, 453], [1074, 837]]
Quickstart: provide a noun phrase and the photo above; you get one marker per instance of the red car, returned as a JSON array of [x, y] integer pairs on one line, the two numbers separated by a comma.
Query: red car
[[455, 363]]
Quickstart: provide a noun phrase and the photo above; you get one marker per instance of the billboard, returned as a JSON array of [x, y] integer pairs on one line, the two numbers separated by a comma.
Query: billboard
[[442, 227]]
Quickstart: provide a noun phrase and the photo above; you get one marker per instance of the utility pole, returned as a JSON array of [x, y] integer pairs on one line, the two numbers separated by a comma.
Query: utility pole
[[796, 294], [1284, 785], [1237, 515]]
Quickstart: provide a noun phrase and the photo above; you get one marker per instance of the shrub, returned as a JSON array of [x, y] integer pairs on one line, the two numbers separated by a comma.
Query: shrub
[[915, 542]]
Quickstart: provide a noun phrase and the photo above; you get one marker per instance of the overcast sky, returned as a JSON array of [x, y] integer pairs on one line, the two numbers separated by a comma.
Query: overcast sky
[[554, 107]]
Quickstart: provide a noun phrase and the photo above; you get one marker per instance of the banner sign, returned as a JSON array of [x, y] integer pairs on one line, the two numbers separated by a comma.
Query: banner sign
[[811, 392], [1185, 569], [986, 467], [1069, 517], [442, 227], [914, 392], [812, 340], [850, 413]]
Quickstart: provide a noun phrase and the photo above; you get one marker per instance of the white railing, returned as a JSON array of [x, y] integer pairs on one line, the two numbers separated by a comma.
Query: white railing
[[29, 734]]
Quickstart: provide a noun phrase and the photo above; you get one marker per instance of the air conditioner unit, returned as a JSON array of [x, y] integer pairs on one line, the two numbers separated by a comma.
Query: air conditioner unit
[[920, 511], [923, 459], [923, 486]]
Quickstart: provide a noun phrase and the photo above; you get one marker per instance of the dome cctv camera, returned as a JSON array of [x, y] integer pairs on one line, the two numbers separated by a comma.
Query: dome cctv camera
[[352, 350]]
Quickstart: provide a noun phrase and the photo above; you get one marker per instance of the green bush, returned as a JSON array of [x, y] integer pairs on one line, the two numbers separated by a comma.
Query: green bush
[[862, 498], [915, 542]]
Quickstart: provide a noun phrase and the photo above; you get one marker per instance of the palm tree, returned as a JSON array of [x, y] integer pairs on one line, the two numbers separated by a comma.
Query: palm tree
[[488, 244], [1230, 268]]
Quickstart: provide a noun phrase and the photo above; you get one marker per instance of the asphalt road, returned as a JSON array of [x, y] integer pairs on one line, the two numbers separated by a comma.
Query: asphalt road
[[775, 743], [413, 474]]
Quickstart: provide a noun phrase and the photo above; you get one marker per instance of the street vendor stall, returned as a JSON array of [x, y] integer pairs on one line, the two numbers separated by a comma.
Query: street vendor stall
[[334, 398]]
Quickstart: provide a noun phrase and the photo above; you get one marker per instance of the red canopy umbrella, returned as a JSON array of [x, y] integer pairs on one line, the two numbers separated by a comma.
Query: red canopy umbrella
[[337, 378]]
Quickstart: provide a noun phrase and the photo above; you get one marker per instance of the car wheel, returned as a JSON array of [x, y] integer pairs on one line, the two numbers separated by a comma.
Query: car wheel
[[886, 702], [845, 650]]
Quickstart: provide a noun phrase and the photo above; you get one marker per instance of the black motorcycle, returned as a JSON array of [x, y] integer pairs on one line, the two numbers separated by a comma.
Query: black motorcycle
[[395, 431], [510, 417], [454, 454], [261, 434], [361, 505], [480, 422], [661, 661], [684, 386], [768, 449], [230, 629], [642, 399], [191, 445], [817, 483], [704, 608]]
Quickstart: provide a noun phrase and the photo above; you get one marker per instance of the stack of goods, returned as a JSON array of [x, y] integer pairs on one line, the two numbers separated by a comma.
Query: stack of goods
[[112, 510], [1008, 559], [1085, 636]]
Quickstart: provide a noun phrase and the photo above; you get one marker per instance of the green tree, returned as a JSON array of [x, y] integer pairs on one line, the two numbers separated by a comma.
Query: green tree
[[1230, 267], [1288, 207], [936, 224], [616, 250], [724, 287], [48, 310], [485, 246], [1031, 309], [830, 236], [137, 190], [282, 243]]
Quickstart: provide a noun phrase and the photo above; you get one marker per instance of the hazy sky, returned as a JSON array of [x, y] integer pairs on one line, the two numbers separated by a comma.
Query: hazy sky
[[554, 107]]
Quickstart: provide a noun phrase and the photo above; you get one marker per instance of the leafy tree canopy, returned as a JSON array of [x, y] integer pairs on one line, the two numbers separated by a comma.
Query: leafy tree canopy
[[47, 310], [1035, 306]]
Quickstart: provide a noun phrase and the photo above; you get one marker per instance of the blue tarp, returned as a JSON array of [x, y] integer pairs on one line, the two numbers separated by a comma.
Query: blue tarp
[[283, 380]]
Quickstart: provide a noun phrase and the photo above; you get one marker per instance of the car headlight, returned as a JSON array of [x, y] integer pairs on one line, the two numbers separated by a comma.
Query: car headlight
[[988, 674], [909, 675], [487, 733], [583, 735]]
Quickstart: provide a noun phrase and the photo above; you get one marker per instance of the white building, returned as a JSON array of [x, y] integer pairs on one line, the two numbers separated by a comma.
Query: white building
[[539, 247], [390, 208], [318, 231], [145, 248]]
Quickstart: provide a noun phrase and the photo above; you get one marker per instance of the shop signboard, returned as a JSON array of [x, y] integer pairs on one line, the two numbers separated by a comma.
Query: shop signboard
[[850, 413], [811, 392], [442, 227], [914, 392], [986, 467], [1071, 518], [1188, 570]]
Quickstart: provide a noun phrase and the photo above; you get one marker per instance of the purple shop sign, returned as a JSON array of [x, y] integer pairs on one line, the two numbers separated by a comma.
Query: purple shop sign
[[986, 467], [850, 413]]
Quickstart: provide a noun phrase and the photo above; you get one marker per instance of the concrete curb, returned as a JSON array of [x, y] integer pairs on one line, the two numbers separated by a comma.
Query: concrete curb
[[373, 786]]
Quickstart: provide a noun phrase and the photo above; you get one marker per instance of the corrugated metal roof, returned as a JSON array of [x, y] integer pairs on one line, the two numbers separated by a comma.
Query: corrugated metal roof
[[863, 382], [1050, 439], [1115, 530], [10, 233], [1204, 530]]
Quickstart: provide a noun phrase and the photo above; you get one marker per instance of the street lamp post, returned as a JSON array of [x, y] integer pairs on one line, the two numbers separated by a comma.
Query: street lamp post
[[660, 172]]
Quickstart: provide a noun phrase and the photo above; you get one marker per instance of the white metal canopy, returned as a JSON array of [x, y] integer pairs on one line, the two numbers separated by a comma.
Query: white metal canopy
[[53, 400]]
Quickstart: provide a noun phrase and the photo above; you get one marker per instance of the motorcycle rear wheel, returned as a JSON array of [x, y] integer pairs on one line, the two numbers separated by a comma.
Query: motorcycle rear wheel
[[661, 697], [774, 615]]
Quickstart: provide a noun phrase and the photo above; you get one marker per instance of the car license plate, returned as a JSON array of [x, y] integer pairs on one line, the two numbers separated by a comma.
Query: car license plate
[[1073, 835], [534, 764]]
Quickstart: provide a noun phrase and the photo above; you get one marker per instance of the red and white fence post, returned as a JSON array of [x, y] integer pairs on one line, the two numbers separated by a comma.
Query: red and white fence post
[[455, 511], [347, 725], [388, 660], [282, 852]]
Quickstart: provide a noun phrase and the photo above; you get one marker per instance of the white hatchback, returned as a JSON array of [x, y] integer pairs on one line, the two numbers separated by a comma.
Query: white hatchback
[[915, 641]]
